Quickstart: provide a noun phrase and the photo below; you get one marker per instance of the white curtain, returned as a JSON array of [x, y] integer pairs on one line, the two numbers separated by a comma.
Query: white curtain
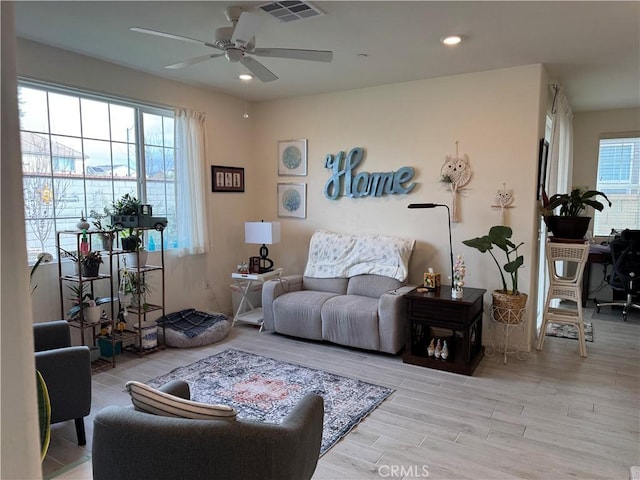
[[561, 146], [190, 183]]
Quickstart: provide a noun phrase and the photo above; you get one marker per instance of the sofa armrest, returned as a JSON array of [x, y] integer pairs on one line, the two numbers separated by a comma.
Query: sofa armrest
[[272, 289], [50, 335], [391, 313]]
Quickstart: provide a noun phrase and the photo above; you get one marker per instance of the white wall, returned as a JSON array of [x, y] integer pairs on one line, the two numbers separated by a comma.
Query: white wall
[[495, 116]]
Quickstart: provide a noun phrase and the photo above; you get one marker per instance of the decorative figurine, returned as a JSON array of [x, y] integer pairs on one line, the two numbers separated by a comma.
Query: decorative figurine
[[504, 200], [431, 348], [455, 173], [438, 351], [444, 353]]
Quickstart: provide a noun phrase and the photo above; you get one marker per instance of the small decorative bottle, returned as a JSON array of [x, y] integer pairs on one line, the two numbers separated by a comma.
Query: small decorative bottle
[[444, 353], [438, 351], [457, 282], [431, 348]]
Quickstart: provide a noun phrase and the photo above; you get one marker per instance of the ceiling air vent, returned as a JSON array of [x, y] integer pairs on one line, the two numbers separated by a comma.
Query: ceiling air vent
[[290, 11]]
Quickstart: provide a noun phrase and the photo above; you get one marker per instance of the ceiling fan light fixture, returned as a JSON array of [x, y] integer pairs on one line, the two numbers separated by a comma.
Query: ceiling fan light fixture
[[451, 40], [245, 77]]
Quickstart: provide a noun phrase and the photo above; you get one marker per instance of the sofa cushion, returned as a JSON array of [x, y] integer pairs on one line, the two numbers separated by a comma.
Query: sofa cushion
[[351, 320], [372, 285], [334, 285], [298, 313], [150, 400]]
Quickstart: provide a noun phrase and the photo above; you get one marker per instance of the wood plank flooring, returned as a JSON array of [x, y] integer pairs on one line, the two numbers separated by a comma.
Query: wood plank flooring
[[552, 416]]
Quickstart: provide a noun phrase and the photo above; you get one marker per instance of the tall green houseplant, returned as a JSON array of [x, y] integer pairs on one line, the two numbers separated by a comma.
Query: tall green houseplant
[[499, 236]]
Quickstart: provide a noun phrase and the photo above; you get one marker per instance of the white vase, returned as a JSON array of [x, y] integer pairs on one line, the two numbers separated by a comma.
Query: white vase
[[456, 292], [133, 257], [92, 314]]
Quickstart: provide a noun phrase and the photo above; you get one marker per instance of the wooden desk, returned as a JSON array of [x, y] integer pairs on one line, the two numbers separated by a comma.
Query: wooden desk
[[595, 256]]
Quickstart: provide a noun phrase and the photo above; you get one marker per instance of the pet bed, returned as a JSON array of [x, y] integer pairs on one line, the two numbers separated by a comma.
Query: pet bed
[[190, 328]]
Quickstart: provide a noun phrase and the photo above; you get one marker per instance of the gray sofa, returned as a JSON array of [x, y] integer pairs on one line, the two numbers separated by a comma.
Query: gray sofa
[[351, 292], [129, 444], [364, 311]]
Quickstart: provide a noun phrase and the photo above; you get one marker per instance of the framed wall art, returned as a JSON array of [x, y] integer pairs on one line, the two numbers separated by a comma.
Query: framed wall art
[[292, 157], [227, 179], [292, 200], [543, 156]]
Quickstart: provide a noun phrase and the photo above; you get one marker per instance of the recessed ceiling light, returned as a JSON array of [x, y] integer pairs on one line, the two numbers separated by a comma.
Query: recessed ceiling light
[[245, 77], [451, 40]]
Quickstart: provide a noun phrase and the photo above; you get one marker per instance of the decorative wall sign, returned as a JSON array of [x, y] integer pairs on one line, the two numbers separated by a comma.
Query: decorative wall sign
[[292, 200], [292, 157], [227, 179], [455, 173], [504, 199], [345, 181]]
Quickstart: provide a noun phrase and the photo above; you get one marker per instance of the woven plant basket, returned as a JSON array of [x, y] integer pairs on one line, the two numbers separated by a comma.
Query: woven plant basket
[[507, 308]]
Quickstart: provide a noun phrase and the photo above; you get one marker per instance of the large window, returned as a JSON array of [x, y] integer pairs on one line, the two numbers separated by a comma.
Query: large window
[[619, 179], [80, 152]]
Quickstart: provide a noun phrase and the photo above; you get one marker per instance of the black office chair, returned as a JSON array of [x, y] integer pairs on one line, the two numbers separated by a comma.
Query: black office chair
[[625, 256]]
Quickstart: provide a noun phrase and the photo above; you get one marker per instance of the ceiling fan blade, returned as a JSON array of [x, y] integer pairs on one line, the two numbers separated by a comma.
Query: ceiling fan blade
[[246, 28], [259, 70], [312, 55], [194, 60], [172, 36]]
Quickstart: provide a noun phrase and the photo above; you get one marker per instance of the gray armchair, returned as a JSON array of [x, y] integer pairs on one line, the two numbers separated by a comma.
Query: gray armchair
[[130, 444], [66, 371]]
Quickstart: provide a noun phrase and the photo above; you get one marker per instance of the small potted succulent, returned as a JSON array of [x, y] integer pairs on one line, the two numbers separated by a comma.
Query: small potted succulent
[[569, 222]]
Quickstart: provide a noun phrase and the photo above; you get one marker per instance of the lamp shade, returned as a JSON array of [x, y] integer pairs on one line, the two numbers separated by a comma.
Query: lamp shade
[[262, 233]]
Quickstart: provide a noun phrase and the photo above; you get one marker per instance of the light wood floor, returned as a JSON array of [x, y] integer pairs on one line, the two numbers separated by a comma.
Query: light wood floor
[[552, 416]]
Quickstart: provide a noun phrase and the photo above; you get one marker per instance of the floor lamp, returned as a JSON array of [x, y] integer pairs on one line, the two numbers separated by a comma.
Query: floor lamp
[[434, 205]]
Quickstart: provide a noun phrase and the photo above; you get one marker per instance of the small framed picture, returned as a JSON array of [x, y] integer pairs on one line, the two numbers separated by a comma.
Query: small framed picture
[[292, 157], [292, 200], [227, 179]]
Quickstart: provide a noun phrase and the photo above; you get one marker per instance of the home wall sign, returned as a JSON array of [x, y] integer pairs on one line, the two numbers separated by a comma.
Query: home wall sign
[[346, 181]]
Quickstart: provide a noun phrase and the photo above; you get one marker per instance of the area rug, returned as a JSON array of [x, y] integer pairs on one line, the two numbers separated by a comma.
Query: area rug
[[569, 331], [265, 389]]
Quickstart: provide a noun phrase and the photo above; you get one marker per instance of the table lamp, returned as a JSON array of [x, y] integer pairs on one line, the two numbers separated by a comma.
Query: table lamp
[[434, 205], [265, 233]]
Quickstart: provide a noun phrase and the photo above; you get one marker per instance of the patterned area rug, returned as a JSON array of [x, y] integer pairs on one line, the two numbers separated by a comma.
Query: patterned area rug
[[568, 331], [264, 389]]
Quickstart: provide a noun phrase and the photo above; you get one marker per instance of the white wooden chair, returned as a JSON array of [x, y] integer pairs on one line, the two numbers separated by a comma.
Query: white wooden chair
[[565, 262]]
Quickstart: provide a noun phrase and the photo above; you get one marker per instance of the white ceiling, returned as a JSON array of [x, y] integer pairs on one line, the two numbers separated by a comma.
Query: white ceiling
[[591, 48]]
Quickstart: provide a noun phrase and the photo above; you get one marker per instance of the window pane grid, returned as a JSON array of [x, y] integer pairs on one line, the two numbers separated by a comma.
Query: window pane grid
[[79, 154], [619, 179]]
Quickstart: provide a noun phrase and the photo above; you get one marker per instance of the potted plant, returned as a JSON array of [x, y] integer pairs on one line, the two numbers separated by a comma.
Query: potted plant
[[86, 303], [122, 212], [569, 222], [90, 264], [105, 231], [508, 303]]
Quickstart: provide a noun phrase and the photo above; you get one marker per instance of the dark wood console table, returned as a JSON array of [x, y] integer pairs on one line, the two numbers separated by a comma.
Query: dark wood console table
[[459, 322]]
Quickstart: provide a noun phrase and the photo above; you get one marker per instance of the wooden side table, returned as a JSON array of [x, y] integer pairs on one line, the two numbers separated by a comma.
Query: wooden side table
[[458, 321]]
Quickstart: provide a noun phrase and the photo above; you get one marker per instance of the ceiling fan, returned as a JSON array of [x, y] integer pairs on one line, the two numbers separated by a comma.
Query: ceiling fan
[[238, 45]]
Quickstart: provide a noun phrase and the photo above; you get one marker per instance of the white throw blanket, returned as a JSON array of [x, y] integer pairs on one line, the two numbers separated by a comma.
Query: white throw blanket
[[336, 255]]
